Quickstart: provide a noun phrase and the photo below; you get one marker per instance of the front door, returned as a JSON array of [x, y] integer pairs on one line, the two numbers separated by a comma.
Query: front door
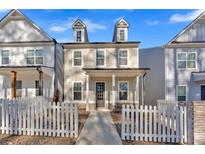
[[100, 96], [203, 92]]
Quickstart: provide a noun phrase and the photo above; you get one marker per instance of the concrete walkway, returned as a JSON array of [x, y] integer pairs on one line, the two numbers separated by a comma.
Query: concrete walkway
[[99, 129]]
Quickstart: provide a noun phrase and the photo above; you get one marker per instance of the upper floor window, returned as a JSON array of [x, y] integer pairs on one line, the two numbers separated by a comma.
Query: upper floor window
[[5, 56], [35, 57], [123, 90], [100, 58], [123, 57], [77, 58], [122, 35], [181, 93], [186, 60], [78, 36], [77, 90]]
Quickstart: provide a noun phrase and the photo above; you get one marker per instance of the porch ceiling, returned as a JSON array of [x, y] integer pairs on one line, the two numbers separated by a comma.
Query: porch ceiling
[[118, 72], [198, 76]]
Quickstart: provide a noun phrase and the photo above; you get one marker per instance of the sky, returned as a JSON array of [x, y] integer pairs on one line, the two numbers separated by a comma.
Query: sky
[[150, 27]]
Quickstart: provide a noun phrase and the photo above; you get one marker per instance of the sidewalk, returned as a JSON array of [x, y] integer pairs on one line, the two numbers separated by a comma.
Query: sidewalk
[[99, 130]]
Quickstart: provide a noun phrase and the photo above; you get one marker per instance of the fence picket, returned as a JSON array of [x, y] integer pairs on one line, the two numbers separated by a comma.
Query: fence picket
[[146, 123], [155, 124], [50, 120], [185, 124], [150, 123], [71, 120], [181, 124], [62, 119], [132, 122], [168, 124], [76, 120], [3, 117], [141, 123], [136, 123], [45, 119], [58, 119]]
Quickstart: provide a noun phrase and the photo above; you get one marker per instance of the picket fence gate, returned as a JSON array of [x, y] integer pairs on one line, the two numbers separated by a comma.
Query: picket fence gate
[[38, 117], [152, 123]]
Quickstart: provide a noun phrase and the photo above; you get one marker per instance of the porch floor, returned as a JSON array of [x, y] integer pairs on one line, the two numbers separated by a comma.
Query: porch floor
[[99, 129]]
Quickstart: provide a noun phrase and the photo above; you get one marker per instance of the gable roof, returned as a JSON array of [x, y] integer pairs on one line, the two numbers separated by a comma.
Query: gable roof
[[79, 23], [14, 13], [186, 28], [122, 21]]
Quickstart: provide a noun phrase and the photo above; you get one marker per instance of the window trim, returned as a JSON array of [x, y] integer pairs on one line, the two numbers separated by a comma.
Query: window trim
[[127, 89], [128, 55], [73, 91], [180, 85], [73, 58], [186, 52], [105, 61], [8, 57]]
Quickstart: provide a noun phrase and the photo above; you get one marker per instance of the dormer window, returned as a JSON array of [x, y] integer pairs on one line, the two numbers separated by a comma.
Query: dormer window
[[78, 36], [122, 35]]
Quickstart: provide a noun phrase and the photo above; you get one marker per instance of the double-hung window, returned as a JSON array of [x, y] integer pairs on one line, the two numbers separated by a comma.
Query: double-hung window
[[77, 58], [181, 93], [100, 58], [5, 57], [123, 90], [77, 90], [123, 57], [78, 36], [186, 60], [35, 57], [122, 35]]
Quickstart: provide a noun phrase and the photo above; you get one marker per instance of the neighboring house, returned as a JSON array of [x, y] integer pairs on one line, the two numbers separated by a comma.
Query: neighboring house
[[183, 72], [31, 62], [102, 74]]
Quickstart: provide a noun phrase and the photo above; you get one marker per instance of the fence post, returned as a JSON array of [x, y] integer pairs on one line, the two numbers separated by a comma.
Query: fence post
[[123, 122]]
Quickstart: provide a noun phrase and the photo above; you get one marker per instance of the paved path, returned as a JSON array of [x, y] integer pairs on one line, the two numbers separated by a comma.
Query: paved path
[[99, 129]]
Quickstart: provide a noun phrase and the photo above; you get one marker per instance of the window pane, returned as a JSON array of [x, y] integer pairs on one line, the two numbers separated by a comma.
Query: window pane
[[100, 61], [122, 35], [39, 53], [181, 98], [77, 62], [39, 60], [30, 53], [5, 53], [77, 86], [181, 56], [123, 61], [37, 88], [77, 54], [100, 54], [191, 56], [181, 91], [123, 95], [5, 61], [181, 64], [18, 84], [77, 96], [123, 53], [123, 86], [100, 57], [191, 64], [78, 36], [30, 60]]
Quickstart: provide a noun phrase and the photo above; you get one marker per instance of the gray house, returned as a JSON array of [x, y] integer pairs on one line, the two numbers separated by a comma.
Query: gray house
[[178, 68]]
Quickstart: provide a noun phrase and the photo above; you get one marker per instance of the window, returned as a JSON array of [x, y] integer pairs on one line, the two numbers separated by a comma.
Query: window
[[37, 88], [181, 93], [100, 58], [78, 36], [77, 58], [123, 90], [18, 88], [123, 57], [35, 57], [39, 57], [122, 35], [30, 56], [5, 57], [186, 60], [77, 90]]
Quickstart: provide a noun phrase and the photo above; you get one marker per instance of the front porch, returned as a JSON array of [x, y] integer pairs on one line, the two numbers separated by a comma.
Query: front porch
[[110, 88], [26, 82]]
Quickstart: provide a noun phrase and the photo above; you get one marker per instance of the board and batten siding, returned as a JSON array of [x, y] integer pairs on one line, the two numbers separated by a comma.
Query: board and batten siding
[[89, 61]]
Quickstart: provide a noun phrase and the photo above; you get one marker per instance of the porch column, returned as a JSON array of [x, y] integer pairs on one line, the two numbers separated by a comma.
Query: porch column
[[87, 92], [142, 89], [40, 83], [113, 90], [13, 84]]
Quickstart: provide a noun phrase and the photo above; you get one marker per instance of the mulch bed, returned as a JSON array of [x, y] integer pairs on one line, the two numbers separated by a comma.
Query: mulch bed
[[42, 140], [116, 116]]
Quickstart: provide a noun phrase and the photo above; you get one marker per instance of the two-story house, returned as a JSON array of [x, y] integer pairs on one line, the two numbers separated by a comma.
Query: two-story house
[[31, 62], [177, 68], [102, 74]]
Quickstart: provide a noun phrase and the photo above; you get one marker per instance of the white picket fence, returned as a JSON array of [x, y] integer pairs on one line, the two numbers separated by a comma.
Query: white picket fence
[[38, 117], [152, 123]]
